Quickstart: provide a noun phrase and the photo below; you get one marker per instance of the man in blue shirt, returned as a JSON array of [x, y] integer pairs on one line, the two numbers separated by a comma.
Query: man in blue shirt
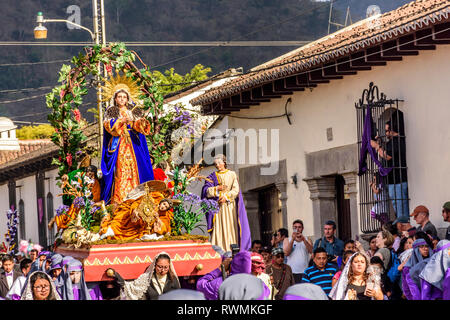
[[321, 272], [332, 245]]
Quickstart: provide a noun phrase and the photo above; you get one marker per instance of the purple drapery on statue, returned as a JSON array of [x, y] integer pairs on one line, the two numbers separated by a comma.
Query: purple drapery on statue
[[244, 232], [367, 148]]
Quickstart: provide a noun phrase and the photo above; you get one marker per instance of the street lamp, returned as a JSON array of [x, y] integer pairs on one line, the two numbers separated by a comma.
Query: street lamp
[[40, 32], [98, 37]]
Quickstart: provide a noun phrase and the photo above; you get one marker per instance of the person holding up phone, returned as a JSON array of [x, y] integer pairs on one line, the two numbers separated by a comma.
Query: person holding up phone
[[333, 246], [297, 249]]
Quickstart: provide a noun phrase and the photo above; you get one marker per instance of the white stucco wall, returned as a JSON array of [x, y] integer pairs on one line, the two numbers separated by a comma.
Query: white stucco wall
[[50, 186], [26, 190], [4, 206], [419, 80]]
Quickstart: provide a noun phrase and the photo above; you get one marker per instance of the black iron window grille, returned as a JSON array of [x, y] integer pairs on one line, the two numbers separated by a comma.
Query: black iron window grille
[[50, 214], [383, 180], [22, 220]]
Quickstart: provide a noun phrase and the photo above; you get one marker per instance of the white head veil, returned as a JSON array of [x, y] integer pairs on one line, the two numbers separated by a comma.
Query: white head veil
[[339, 291], [135, 289], [28, 292]]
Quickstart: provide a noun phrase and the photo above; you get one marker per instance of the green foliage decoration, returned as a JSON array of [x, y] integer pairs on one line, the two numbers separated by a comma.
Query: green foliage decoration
[[64, 100]]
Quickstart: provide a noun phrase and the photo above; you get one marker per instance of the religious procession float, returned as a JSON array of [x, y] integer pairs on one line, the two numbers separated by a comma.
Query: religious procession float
[[137, 203]]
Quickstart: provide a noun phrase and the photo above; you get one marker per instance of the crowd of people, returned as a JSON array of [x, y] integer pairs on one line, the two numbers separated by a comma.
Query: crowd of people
[[399, 262]]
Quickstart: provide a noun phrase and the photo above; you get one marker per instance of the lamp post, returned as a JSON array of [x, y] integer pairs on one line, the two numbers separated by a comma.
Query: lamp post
[[98, 37]]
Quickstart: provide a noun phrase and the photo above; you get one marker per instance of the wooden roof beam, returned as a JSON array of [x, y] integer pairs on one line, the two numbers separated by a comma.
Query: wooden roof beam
[[376, 54], [391, 49], [237, 101], [409, 42], [278, 87], [332, 70], [358, 59], [345, 64], [428, 36]]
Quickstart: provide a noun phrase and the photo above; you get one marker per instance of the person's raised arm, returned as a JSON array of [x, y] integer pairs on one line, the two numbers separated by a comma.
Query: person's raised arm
[[287, 245]]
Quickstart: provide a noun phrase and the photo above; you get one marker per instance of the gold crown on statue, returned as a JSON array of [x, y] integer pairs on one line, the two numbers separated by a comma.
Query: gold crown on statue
[[121, 82]]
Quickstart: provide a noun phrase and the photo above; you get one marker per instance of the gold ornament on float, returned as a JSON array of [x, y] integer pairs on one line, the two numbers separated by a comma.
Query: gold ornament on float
[[121, 82]]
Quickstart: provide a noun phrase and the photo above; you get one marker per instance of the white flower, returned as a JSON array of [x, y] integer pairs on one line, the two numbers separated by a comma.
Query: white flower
[[76, 184], [88, 180]]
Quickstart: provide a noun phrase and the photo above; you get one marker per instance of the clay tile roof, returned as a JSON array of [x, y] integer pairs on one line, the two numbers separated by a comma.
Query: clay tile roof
[[419, 14], [26, 146], [35, 150]]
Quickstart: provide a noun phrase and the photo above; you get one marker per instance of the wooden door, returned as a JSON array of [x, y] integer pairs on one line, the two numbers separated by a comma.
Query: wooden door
[[344, 229]]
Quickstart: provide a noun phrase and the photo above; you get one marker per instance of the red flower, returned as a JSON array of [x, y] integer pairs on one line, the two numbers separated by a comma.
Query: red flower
[[108, 68], [77, 115], [161, 144], [69, 159]]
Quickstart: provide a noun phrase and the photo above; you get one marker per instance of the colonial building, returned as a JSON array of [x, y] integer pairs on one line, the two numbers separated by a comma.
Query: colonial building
[[310, 99], [28, 183]]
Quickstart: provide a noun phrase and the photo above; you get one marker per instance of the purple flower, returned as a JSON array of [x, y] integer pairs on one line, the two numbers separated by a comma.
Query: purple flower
[[78, 202], [62, 210], [94, 210]]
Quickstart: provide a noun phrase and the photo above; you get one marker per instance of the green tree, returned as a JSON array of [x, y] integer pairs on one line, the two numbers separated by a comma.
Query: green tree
[[170, 78], [43, 131]]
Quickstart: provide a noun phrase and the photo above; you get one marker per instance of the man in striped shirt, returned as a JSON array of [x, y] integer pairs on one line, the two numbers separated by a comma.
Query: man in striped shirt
[[321, 272]]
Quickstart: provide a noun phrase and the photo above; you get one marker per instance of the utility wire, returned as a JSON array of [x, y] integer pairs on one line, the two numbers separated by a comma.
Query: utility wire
[[269, 67], [298, 59], [25, 89], [249, 43], [253, 32], [31, 63], [23, 99]]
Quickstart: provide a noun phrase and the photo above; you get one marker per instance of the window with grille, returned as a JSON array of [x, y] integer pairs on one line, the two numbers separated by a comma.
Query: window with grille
[[383, 180], [22, 220], [50, 214]]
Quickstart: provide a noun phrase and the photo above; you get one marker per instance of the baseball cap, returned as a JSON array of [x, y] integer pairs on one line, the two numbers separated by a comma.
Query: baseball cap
[[401, 219], [277, 250], [419, 209], [446, 205]]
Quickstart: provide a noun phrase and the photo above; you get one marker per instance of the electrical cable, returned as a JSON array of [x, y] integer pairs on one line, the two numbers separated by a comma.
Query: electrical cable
[[253, 32], [32, 63], [25, 89]]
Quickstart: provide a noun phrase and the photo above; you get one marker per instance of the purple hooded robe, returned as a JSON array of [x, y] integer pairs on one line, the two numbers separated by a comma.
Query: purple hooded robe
[[435, 275], [410, 288], [210, 283]]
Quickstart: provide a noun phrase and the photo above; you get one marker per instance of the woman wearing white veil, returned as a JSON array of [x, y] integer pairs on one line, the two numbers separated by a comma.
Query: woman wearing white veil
[[30, 292], [355, 270], [159, 278]]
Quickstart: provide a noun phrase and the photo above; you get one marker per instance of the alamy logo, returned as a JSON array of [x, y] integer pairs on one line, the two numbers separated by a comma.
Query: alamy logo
[[74, 12], [245, 147]]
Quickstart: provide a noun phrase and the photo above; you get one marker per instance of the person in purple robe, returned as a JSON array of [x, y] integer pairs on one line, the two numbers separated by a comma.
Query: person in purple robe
[[210, 283], [40, 263], [305, 291], [435, 276], [230, 224], [75, 287], [243, 286], [55, 271], [421, 251]]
